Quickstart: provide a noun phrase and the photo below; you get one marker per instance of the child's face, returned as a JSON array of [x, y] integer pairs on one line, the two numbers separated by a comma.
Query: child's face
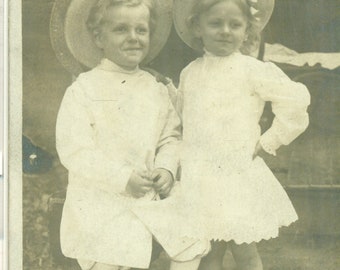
[[125, 35], [222, 28]]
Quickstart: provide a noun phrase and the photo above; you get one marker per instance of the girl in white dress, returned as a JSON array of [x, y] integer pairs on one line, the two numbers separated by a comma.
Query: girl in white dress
[[233, 195]]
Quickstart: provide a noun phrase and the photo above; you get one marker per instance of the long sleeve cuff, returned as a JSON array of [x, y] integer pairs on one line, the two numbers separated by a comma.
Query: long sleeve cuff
[[169, 165], [270, 142]]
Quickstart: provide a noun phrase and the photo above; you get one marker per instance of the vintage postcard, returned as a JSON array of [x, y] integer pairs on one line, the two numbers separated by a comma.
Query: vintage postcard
[[172, 134]]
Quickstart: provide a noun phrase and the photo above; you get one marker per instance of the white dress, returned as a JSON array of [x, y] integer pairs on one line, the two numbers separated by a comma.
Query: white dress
[[229, 195]]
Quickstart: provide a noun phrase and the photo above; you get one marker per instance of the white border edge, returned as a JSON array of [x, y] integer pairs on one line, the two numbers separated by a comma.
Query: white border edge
[[13, 169]]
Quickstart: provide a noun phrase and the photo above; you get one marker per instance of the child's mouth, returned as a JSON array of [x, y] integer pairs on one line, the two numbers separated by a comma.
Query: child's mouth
[[224, 41], [133, 49]]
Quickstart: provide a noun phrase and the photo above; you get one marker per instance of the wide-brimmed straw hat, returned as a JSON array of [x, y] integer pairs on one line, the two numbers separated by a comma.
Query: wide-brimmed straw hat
[[261, 10], [74, 45]]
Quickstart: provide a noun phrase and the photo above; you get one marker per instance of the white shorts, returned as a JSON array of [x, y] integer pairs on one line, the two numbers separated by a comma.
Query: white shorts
[[198, 250]]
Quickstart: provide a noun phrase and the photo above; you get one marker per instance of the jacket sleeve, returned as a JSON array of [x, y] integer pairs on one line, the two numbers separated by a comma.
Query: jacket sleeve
[[180, 92], [167, 153], [76, 146], [172, 90], [289, 101]]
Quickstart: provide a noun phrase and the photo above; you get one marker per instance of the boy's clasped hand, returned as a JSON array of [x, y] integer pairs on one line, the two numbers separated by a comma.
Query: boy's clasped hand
[[142, 181]]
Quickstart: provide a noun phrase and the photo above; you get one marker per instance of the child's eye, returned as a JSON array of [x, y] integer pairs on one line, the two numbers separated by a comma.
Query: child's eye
[[214, 23], [235, 25], [120, 29], [142, 30]]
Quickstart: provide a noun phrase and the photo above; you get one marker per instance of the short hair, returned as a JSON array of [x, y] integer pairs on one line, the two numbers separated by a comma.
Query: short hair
[[249, 45], [96, 16]]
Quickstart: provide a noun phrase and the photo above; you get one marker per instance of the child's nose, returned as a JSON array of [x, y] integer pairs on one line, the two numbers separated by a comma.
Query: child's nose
[[132, 35], [225, 29]]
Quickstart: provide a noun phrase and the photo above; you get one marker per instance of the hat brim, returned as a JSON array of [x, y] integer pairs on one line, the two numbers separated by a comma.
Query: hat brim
[[182, 10], [73, 44]]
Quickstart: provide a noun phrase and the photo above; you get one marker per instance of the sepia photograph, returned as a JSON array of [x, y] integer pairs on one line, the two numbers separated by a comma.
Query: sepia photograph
[[173, 135]]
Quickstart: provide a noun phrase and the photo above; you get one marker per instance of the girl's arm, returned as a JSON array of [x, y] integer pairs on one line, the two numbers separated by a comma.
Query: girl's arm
[[289, 102], [77, 148]]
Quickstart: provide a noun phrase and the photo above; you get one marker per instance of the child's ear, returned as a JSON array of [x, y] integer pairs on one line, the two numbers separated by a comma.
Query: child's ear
[[98, 40], [194, 26], [196, 29]]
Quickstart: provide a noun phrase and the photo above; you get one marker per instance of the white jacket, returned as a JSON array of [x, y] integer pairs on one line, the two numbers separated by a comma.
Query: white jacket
[[110, 122]]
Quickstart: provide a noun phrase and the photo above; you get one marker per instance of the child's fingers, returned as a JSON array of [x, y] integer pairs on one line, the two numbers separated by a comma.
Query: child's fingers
[[146, 183], [145, 189], [155, 176], [144, 174], [141, 192], [159, 183], [164, 187], [164, 181], [158, 187], [165, 191]]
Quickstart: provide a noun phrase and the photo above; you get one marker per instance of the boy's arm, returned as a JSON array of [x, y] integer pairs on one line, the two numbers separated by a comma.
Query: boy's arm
[[167, 154], [180, 92], [179, 101], [77, 149]]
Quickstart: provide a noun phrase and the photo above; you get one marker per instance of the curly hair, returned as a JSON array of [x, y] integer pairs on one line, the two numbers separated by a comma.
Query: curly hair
[[253, 32], [97, 13]]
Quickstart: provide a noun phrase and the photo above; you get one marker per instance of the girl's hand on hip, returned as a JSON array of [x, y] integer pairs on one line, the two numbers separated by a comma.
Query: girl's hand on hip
[[258, 150], [163, 181], [139, 184]]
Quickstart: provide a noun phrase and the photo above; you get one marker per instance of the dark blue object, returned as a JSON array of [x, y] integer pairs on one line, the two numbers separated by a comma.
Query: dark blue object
[[35, 160]]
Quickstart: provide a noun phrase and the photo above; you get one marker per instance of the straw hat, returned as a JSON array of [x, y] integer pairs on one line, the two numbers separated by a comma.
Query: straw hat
[[73, 43], [261, 10]]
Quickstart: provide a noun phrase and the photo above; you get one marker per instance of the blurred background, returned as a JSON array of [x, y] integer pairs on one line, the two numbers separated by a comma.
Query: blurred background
[[302, 37]]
